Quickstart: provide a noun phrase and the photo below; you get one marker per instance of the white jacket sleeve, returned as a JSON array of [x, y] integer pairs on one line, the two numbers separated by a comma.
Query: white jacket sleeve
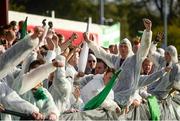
[[148, 79], [143, 92], [34, 77], [17, 53], [177, 78], [58, 50], [62, 84], [153, 55], [27, 62], [141, 55], [84, 80], [61, 89], [99, 52], [12, 101], [51, 54], [110, 105], [144, 47]]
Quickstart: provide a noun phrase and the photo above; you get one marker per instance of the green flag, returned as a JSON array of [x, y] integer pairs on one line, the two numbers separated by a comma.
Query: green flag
[[110, 35], [98, 99], [139, 33], [24, 29], [154, 108]]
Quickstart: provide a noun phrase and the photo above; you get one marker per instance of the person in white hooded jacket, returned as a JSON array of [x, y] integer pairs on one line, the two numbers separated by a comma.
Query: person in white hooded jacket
[[41, 96], [129, 77], [12, 101], [18, 52], [162, 88], [8, 61], [38, 95]]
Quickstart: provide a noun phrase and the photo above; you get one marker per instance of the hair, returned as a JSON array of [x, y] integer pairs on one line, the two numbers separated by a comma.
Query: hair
[[13, 23], [36, 62], [128, 43], [92, 56], [44, 47], [111, 46], [100, 60], [43, 50], [147, 59], [108, 70], [173, 53], [5, 27], [60, 36]]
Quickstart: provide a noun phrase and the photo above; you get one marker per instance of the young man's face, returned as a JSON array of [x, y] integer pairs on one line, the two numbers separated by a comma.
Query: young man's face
[[123, 49], [11, 36], [107, 77], [91, 63], [147, 66], [167, 57], [100, 68]]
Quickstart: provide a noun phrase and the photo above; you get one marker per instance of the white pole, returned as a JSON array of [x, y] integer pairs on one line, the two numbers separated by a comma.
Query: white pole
[[165, 23], [53, 14], [101, 2], [84, 51]]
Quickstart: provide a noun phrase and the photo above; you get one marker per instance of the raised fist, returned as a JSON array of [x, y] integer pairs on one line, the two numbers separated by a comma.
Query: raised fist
[[37, 32], [147, 24]]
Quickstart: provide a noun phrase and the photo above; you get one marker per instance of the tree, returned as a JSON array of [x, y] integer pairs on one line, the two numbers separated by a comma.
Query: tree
[[129, 12], [173, 8]]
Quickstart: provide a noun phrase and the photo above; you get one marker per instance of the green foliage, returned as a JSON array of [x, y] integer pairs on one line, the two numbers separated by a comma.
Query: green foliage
[[16, 7], [129, 13], [111, 11], [173, 37], [78, 10]]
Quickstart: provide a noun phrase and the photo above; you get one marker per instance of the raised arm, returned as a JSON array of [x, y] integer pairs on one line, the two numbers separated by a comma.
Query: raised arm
[[176, 83], [17, 53], [68, 42], [25, 65], [84, 80], [145, 41], [12, 101], [148, 79], [61, 85], [154, 56], [34, 77], [99, 52]]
